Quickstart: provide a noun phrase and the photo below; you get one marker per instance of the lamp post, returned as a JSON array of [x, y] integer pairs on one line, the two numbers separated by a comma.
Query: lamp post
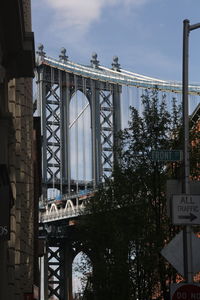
[[188, 272]]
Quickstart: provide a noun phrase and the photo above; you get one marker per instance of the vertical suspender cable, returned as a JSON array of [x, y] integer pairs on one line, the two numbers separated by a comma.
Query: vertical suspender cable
[[131, 96], [140, 102], [93, 157], [68, 134], [129, 103], [61, 128], [179, 99], [76, 133], [83, 128], [111, 102], [190, 104], [53, 142], [193, 103], [122, 107], [138, 98]]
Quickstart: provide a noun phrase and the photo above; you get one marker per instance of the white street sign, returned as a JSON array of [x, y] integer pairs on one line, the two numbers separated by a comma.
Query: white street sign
[[185, 209], [173, 252]]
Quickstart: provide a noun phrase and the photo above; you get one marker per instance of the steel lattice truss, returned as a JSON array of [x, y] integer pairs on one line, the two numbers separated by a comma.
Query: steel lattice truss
[[61, 253], [56, 272], [53, 131], [106, 112]]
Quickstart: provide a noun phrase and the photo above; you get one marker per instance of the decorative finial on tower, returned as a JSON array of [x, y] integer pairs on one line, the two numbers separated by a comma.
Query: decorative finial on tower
[[40, 51], [115, 63], [94, 61], [63, 57]]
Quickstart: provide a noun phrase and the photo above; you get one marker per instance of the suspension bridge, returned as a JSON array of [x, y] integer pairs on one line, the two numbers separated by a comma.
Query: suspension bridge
[[80, 107]]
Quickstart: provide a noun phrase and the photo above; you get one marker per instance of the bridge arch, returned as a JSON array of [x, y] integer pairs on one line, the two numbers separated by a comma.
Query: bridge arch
[[53, 208], [80, 137], [82, 90], [69, 205], [81, 272]]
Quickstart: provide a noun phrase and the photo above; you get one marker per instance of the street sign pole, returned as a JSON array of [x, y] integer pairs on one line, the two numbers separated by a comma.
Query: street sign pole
[[188, 272], [186, 188]]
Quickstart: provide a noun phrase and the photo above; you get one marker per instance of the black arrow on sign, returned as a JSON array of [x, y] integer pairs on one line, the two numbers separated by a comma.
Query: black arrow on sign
[[191, 217]]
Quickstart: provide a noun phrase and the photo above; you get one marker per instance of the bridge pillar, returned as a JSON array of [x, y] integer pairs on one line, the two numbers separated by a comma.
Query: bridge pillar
[[41, 105], [68, 270], [43, 266], [96, 136], [65, 140], [116, 118], [60, 260]]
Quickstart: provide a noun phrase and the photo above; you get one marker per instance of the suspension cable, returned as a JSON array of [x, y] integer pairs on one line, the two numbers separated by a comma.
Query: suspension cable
[[79, 115], [53, 128], [83, 124], [61, 139], [76, 134], [124, 77]]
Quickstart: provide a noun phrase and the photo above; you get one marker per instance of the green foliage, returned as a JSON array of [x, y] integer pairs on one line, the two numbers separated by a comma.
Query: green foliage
[[126, 224]]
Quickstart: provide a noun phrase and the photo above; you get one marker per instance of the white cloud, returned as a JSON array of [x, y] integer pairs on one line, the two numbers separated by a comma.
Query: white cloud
[[80, 14], [135, 2]]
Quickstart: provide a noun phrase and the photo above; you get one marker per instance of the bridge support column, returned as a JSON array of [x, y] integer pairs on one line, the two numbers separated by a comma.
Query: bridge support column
[[96, 136], [43, 264], [60, 271], [65, 140], [116, 118], [41, 105], [68, 258]]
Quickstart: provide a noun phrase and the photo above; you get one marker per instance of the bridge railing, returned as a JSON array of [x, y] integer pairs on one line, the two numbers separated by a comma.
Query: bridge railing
[[66, 207], [61, 213]]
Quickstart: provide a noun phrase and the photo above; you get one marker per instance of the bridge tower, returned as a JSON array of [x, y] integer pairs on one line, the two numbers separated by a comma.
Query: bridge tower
[[57, 83], [56, 88]]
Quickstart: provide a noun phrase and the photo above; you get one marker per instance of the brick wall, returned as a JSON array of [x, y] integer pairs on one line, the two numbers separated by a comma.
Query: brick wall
[[21, 170]]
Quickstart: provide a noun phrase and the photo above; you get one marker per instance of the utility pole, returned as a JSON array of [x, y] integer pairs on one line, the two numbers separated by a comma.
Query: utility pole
[[187, 237]]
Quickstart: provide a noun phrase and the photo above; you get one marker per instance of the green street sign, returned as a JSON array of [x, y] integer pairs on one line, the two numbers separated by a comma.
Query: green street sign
[[167, 155]]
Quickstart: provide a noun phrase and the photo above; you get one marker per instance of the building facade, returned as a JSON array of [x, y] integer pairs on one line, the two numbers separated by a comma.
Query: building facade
[[16, 152]]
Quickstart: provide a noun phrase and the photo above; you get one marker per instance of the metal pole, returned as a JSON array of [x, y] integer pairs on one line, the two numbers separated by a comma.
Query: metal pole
[[187, 247], [186, 189]]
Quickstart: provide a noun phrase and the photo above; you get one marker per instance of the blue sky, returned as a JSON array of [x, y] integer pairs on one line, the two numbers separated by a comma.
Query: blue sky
[[145, 34]]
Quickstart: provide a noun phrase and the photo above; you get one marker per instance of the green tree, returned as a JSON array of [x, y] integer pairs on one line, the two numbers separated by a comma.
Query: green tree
[[126, 224]]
